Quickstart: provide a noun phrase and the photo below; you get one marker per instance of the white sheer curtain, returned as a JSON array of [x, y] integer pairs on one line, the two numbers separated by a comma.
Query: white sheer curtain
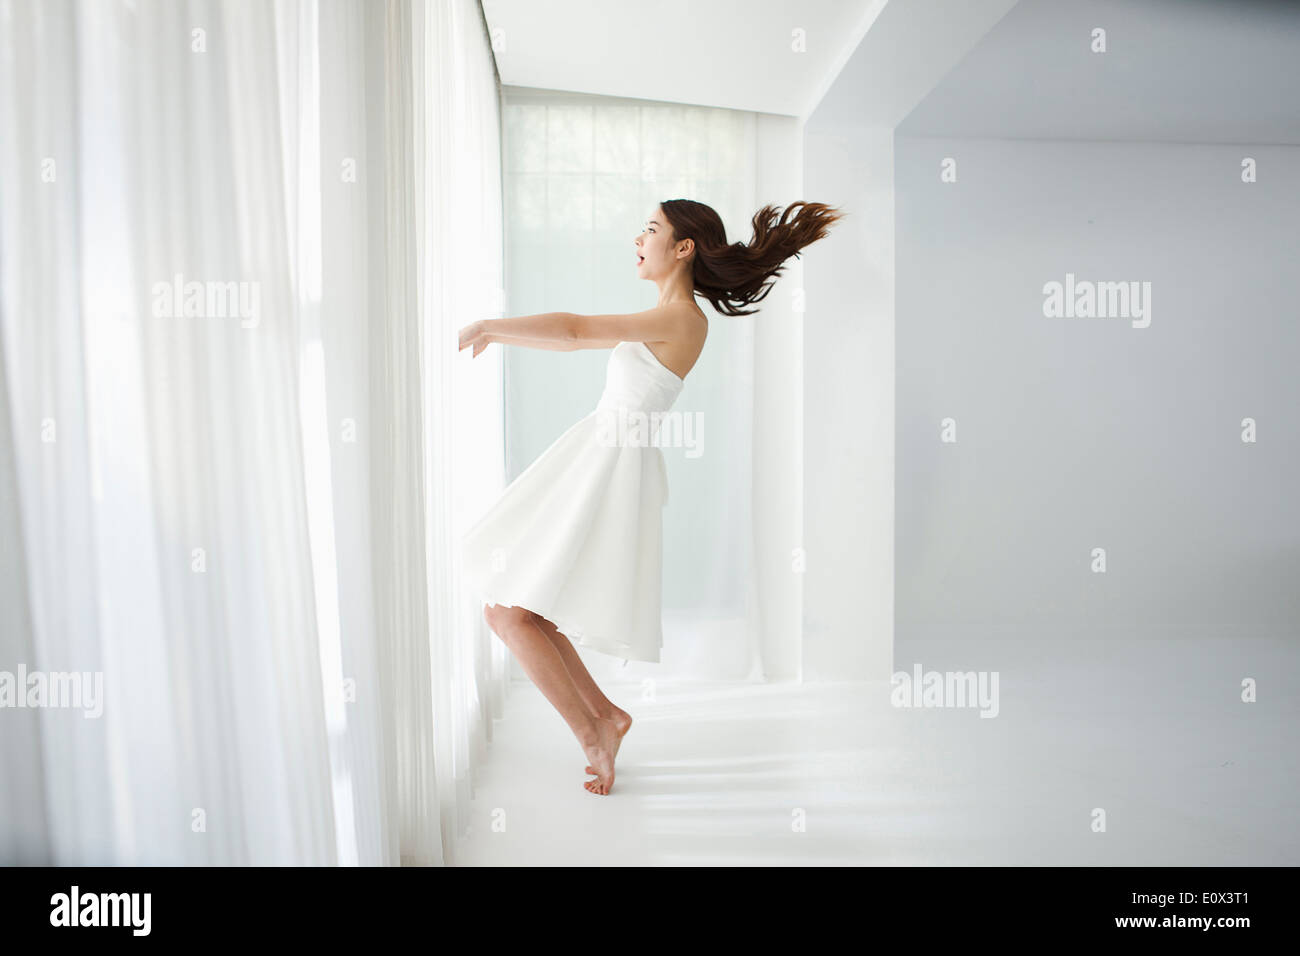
[[233, 505], [460, 253], [582, 174]]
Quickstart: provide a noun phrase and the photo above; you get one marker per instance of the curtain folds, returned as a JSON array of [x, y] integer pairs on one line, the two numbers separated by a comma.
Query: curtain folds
[[228, 301]]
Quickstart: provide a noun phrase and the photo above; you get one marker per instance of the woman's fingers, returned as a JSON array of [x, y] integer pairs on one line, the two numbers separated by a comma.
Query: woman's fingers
[[469, 335], [473, 336]]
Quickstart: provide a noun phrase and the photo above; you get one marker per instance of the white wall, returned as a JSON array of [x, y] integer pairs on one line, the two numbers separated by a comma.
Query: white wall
[[848, 409], [778, 418], [1082, 433], [1072, 433]]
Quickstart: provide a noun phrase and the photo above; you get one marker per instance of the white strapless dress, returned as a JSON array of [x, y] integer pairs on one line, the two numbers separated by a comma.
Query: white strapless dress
[[578, 536]]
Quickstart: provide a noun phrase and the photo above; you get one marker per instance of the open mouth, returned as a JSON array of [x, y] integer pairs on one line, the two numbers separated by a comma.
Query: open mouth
[[640, 259]]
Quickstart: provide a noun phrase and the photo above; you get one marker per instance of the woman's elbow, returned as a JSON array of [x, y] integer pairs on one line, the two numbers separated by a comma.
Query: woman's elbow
[[572, 330]]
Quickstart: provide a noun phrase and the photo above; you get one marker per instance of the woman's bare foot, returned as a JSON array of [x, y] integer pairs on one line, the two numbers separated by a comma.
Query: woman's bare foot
[[623, 723], [600, 751]]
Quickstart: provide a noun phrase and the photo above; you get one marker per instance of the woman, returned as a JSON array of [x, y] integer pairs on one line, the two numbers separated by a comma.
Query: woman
[[572, 550]]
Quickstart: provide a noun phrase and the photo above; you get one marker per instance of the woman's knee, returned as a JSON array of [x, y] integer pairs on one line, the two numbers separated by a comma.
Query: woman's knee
[[502, 619]]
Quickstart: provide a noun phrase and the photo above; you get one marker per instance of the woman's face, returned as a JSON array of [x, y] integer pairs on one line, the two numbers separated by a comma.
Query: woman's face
[[655, 252]]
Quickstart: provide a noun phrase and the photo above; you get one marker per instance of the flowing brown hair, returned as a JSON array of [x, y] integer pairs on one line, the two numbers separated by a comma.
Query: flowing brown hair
[[735, 274]]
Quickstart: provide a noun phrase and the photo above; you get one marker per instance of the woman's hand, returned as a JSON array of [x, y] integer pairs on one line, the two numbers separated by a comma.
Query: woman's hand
[[476, 336]]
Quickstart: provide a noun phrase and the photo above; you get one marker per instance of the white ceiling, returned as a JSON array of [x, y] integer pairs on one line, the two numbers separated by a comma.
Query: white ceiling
[[735, 54], [1205, 71], [1176, 70]]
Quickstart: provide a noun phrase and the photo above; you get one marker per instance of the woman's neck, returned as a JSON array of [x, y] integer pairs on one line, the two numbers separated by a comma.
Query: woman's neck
[[679, 288]]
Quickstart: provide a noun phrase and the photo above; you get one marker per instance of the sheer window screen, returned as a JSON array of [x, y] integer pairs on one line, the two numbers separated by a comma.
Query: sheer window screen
[[318, 459], [581, 176]]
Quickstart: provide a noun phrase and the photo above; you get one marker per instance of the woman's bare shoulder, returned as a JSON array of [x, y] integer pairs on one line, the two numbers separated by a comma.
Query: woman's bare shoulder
[[701, 321]]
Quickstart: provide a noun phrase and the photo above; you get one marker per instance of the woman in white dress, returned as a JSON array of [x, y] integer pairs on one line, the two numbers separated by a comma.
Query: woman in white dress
[[571, 552]]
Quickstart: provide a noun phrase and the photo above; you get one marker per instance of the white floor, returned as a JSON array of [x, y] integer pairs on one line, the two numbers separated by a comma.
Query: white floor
[[722, 774]]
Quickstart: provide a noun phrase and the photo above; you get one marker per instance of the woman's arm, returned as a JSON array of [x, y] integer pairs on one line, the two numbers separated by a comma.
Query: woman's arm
[[566, 331], [554, 331]]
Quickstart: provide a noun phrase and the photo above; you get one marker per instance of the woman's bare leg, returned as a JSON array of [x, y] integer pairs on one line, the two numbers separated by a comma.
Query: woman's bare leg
[[597, 702], [544, 666]]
